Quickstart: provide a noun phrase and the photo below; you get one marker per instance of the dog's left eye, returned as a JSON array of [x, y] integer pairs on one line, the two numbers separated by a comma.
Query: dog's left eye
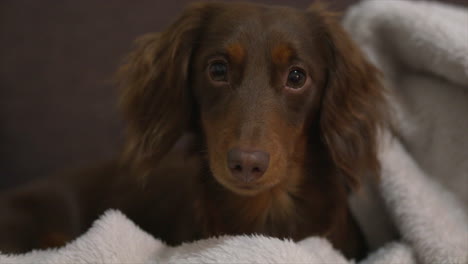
[[218, 71], [296, 78]]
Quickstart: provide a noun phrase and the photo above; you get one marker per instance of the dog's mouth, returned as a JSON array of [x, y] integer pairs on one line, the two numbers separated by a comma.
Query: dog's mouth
[[248, 166], [248, 171], [244, 188]]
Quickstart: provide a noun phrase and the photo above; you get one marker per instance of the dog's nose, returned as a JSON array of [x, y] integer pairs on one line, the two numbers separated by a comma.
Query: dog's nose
[[247, 166]]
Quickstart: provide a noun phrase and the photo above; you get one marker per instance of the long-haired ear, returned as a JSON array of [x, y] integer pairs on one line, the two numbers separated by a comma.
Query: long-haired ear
[[353, 102], [156, 96]]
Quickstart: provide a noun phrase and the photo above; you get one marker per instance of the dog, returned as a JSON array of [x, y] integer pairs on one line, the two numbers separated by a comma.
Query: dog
[[276, 112]]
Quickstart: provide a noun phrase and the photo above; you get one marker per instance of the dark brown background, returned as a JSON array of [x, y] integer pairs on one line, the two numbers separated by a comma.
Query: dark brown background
[[57, 104]]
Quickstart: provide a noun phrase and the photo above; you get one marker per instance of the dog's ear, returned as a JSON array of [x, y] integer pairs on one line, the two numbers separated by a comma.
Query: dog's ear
[[352, 109], [156, 96]]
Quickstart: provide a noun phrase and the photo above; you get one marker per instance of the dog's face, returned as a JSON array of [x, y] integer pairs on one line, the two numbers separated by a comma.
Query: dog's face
[[263, 85], [257, 77]]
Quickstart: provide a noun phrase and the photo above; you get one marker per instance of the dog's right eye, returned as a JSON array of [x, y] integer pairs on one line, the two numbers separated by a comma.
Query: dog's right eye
[[218, 71]]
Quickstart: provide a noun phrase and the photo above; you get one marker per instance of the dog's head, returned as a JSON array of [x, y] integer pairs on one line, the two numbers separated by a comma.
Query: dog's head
[[268, 89]]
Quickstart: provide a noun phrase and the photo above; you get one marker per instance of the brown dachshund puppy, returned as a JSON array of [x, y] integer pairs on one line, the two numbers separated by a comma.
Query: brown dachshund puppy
[[282, 110]]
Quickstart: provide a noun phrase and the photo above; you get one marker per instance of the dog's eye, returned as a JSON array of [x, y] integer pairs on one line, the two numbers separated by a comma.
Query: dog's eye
[[296, 79], [218, 71]]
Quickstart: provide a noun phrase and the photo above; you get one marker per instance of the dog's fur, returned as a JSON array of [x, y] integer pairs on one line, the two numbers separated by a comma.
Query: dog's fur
[[320, 137]]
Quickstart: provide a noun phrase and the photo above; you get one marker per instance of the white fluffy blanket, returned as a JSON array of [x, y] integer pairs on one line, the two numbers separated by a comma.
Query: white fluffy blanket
[[422, 48]]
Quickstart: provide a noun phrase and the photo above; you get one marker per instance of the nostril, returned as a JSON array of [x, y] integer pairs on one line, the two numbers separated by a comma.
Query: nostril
[[237, 168], [256, 170]]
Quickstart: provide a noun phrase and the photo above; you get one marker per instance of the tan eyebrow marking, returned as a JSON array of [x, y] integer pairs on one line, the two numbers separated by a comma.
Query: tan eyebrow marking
[[236, 52], [281, 54]]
